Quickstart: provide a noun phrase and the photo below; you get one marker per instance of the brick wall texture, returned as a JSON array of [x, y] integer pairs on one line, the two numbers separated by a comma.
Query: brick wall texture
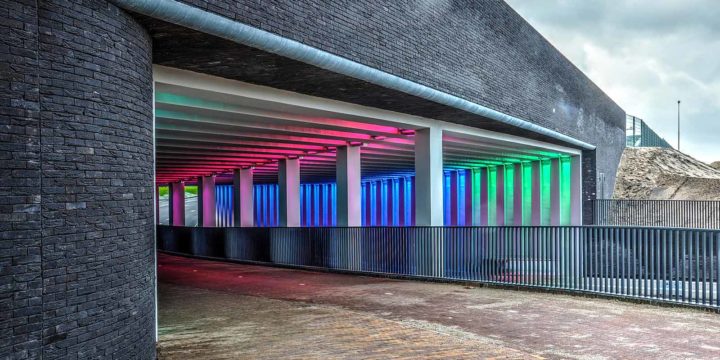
[[76, 182]]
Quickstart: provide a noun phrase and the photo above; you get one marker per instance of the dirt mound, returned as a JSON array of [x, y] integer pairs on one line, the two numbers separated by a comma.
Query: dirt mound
[[715, 165], [665, 174]]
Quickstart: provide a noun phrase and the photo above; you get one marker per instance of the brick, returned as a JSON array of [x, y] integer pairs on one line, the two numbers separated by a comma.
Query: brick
[[55, 99]]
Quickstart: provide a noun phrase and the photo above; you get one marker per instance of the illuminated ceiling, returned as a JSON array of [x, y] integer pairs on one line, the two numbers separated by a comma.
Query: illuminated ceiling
[[207, 125]]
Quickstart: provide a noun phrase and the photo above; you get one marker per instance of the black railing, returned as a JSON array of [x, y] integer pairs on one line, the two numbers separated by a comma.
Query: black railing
[[672, 265], [639, 134], [658, 213]]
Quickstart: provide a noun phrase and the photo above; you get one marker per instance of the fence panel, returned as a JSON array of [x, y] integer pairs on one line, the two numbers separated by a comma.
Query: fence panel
[[667, 264], [657, 213]]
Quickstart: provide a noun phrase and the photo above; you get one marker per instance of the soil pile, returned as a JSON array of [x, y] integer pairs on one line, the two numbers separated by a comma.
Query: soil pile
[[715, 165], [665, 174]]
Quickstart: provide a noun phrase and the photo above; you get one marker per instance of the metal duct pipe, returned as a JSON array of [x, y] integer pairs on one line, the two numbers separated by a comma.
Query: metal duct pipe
[[200, 20]]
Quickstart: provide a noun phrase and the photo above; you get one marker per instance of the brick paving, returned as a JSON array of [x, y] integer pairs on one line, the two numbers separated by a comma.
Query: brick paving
[[213, 310]]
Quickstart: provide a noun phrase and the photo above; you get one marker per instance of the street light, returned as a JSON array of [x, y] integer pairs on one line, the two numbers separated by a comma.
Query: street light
[[678, 125]]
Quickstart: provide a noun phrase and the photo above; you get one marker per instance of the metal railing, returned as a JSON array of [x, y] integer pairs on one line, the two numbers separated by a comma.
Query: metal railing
[[670, 265], [657, 213], [639, 134]]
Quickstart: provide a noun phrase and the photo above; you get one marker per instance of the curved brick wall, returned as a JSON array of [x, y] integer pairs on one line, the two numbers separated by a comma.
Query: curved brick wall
[[76, 204]]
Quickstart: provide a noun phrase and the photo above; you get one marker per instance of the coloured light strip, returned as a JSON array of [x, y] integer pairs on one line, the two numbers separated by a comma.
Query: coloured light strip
[[390, 202]]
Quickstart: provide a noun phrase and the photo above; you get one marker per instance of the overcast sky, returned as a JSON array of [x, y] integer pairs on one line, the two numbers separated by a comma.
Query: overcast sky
[[646, 55]]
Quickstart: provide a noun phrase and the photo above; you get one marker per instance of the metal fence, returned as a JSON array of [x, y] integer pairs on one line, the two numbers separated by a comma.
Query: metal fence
[[671, 265], [657, 213], [639, 134]]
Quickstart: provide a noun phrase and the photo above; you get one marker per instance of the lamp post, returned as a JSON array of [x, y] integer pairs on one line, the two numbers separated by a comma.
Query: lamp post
[[678, 125]]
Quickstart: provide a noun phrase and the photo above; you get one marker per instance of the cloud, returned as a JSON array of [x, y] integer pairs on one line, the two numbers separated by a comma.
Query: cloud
[[645, 55]]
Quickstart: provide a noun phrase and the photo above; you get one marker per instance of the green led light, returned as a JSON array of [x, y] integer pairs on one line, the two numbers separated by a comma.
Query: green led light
[[509, 193], [565, 191], [476, 196], [492, 196], [527, 180], [545, 200]]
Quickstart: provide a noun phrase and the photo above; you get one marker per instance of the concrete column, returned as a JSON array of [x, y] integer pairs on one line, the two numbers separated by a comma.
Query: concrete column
[[483, 218], [243, 198], [347, 174], [469, 197], [177, 203], [576, 207], [500, 196], [289, 192], [401, 202], [555, 192], [428, 177], [206, 201], [391, 205], [536, 194], [453, 221], [518, 180], [157, 204]]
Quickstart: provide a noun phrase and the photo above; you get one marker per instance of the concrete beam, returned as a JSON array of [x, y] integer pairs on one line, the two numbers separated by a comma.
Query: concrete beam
[[518, 181], [482, 218], [576, 206], [289, 192], [428, 177], [536, 194], [177, 203], [555, 192], [347, 173], [243, 198], [206, 201], [500, 197]]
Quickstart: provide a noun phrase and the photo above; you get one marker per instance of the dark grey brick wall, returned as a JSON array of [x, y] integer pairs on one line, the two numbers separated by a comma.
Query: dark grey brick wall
[[20, 225], [480, 50], [76, 191]]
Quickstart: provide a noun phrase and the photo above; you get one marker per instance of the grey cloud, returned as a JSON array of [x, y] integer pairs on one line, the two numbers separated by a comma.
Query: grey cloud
[[646, 55]]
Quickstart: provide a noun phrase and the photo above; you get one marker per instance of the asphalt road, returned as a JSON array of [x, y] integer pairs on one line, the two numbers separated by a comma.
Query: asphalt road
[[191, 216]]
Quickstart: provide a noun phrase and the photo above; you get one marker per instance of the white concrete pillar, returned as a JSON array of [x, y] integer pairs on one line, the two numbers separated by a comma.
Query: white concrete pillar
[[536, 194], [518, 209], [243, 198], [289, 192], [428, 177], [576, 206], [177, 203], [500, 196], [347, 173], [206, 201], [484, 197], [555, 192]]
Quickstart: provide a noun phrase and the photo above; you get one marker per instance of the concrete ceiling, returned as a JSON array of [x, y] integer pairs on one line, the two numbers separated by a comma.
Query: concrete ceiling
[[203, 130]]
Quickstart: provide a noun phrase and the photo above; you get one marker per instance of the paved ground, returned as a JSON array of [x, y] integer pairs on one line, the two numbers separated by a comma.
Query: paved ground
[[213, 310]]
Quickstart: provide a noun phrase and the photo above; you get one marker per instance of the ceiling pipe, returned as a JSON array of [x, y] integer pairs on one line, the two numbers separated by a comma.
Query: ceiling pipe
[[213, 24]]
